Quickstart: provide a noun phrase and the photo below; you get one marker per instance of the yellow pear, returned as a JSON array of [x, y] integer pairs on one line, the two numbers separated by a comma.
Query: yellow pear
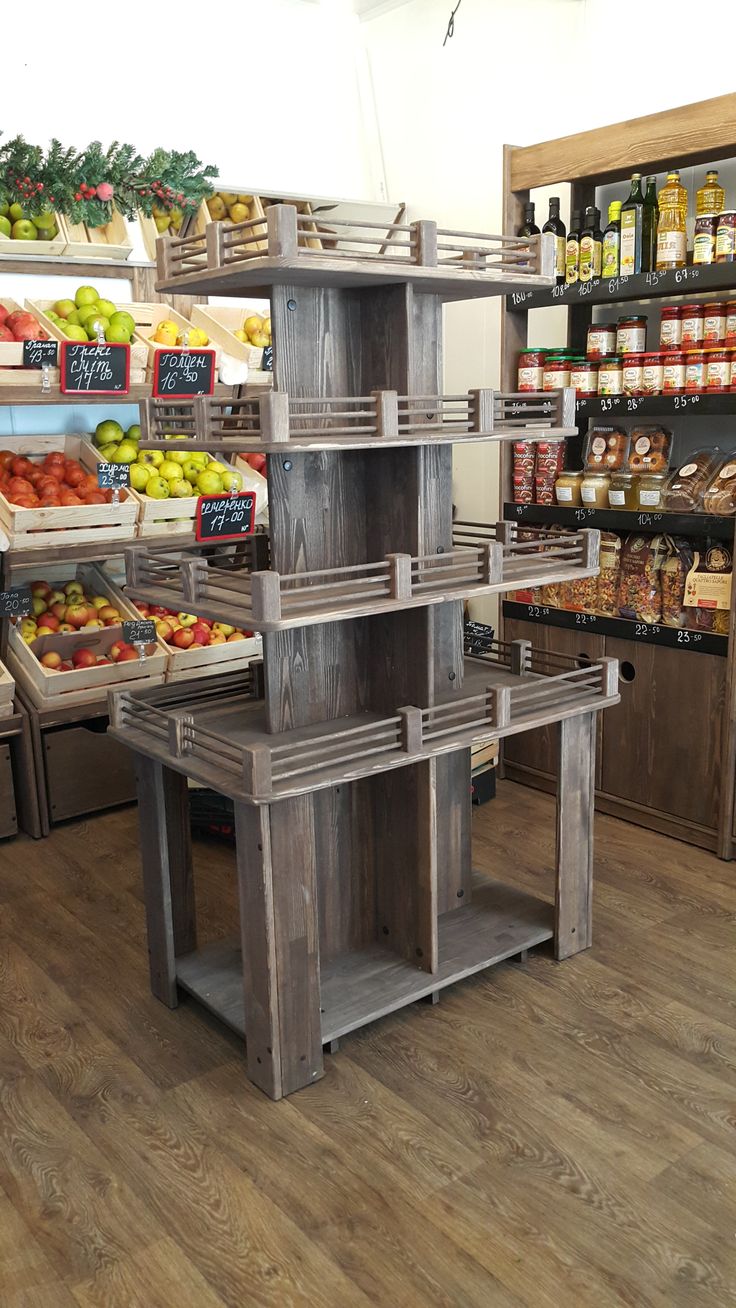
[[162, 222], [238, 213], [167, 333], [267, 326], [241, 335], [217, 207], [228, 198], [260, 340], [253, 324], [245, 199], [197, 338]]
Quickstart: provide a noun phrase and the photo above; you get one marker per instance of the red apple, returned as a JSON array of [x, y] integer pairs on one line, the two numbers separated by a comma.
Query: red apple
[[40, 588], [51, 621], [84, 658], [237, 635], [5, 333], [59, 611], [217, 638], [164, 629], [18, 316], [116, 650], [127, 655], [51, 660], [108, 614], [28, 330], [3, 314], [77, 614], [183, 638], [200, 632]]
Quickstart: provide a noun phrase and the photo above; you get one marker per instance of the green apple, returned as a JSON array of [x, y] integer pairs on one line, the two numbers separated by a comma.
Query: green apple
[[95, 325], [209, 483], [87, 311], [200, 459], [4, 208], [106, 307], [15, 212], [127, 452], [170, 470], [107, 431], [191, 471], [24, 230], [186, 619], [5, 225], [219, 468], [44, 222], [232, 481], [107, 451], [75, 333], [140, 474], [64, 308], [154, 457], [177, 456], [134, 432], [181, 488], [157, 488], [121, 319], [117, 335], [86, 295], [74, 319]]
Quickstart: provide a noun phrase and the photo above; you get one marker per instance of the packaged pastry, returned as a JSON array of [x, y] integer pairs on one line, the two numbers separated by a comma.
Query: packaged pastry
[[610, 566], [684, 491], [708, 588], [523, 475], [649, 450], [673, 577], [720, 494], [639, 593], [606, 449]]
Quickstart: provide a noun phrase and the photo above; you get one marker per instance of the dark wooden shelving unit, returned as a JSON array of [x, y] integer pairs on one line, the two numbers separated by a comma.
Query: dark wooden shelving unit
[[347, 754], [670, 702]]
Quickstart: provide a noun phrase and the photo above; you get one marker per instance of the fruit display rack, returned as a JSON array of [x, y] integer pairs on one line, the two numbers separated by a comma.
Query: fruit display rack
[[347, 754]]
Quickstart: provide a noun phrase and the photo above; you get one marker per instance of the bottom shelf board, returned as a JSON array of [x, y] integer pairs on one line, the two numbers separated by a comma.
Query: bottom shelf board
[[362, 986], [698, 642]]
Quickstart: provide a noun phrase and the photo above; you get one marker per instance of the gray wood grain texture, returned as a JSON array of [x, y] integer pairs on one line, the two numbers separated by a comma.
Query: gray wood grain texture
[[168, 890], [258, 992], [574, 846]]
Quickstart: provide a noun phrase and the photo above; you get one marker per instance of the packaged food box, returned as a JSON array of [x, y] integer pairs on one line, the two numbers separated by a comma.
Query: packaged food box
[[687, 484], [606, 449], [639, 590], [649, 449], [720, 494]]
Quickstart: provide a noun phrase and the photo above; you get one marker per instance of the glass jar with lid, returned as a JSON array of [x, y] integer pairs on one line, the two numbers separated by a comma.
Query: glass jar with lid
[[623, 490], [601, 339], [584, 376], [651, 489], [611, 376], [568, 489], [556, 372], [631, 334], [594, 490]]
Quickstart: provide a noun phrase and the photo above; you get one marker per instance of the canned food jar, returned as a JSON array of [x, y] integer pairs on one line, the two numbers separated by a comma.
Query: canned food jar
[[704, 240], [584, 376], [726, 237], [601, 339], [731, 322], [556, 372], [623, 491], [718, 370], [567, 488], [695, 370], [651, 489], [733, 370], [531, 369], [633, 373], [670, 328], [611, 376], [631, 335], [692, 325], [714, 323], [673, 374], [652, 374], [594, 489]]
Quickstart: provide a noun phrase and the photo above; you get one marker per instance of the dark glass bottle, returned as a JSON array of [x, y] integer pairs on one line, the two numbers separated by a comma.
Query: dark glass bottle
[[591, 245], [632, 229], [529, 227], [572, 250], [555, 225], [651, 219]]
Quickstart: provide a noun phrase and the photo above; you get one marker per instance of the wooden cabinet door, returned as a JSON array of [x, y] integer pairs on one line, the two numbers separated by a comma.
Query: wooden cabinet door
[[537, 750], [663, 741]]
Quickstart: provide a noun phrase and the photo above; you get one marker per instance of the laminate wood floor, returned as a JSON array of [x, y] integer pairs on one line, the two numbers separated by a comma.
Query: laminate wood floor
[[547, 1136]]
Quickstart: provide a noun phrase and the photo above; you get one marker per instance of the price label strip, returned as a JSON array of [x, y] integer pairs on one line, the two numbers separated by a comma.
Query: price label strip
[[94, 369], [225, 517], [16, 602]]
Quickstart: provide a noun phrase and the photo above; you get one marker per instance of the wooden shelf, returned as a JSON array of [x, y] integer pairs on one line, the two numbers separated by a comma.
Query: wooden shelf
[[49, 264], [368, 984], [697, 642], [136, 394], [623, 520], [672, 284], [656, 406]]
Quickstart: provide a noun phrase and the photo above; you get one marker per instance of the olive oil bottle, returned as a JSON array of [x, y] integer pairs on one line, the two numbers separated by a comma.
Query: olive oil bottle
[[591, 245], [555, 225], [651, 222], [632, 229], [610, 264], [671, 231], [528, 227], [572, 250]]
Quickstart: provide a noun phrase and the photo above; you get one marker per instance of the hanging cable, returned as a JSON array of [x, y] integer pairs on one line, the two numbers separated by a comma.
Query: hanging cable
[[451, 25]]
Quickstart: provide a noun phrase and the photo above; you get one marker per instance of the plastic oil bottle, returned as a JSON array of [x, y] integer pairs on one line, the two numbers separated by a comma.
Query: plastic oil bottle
[[671, 229], [710, 197]]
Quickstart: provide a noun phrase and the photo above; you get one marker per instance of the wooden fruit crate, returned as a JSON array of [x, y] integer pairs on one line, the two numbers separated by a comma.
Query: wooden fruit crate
[[150, 232], [7, 692], [34, 249], [172, 517], [254, 481], [221, 321], [209, 660], [12, 372], [109, 242], [79, 524], [45, 688], [312, 240], [140, 313], [147, 317]]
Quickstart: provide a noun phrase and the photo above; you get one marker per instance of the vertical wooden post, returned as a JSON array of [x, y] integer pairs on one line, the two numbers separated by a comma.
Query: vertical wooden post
[[214, 245], [425, 249], [500, 706], [575, 812], [519, 658], [283, 239], [610, 677], [274, 416], [163, 259], [411, 729], [482, 418], [265, 590], [506, 533], [387, 413], [257, 771], [168, 882], [492, 563], [399, 566], [591, 547]]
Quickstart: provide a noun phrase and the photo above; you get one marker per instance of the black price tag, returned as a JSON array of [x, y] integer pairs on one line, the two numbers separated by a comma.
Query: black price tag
[[111, 476], [477, 637], [16, 602], [225, 517], [139, 631], [267, 362], [184, 372], [40, 354], [94, 369]]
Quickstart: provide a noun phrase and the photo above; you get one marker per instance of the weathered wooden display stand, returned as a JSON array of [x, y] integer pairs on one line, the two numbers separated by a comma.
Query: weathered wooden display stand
[[347, 752]]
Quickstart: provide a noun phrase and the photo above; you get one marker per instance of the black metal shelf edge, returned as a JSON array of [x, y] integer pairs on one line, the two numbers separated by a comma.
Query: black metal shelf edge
[[646, 406], [643, 286], [675, 524], [698, 642]]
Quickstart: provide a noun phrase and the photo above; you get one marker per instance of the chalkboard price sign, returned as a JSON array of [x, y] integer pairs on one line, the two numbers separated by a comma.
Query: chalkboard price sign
[[184, 372], [89, 369], [139, 631], [111, 476], [225, 517], [477, 638], [267, 362], [40, 354], [15, 603]]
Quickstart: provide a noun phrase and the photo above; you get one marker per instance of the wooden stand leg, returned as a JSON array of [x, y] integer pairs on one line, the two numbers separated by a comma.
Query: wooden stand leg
[[575, 811], [26, 785], [280, 934], [168, 880]]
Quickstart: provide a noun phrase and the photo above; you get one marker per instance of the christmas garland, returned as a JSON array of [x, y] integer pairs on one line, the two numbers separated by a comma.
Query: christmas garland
[[86, 184]]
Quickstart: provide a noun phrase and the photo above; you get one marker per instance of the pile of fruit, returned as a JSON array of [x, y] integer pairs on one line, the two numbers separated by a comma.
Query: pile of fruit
[[64, 606], [20, 325], [50, 483], [17, 224], [225, 204], [255, 461], [84, 317], [160, 475], [184, 630], [256, 330], [168, 333]]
